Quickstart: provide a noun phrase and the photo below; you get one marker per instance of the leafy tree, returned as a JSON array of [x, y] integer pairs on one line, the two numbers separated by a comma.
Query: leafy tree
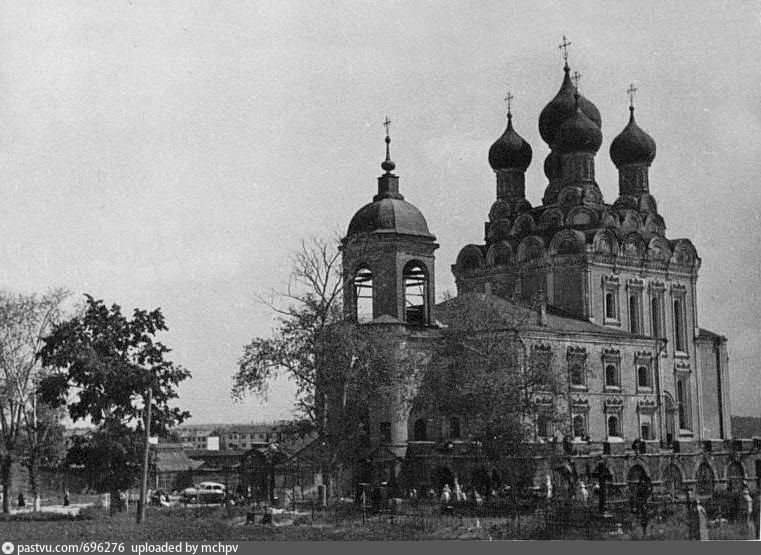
[[108, 362], [310, 304], [24, 322], [482, 371]]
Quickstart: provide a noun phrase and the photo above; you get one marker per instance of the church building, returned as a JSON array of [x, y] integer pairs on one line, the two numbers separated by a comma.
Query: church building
[[645, 387]]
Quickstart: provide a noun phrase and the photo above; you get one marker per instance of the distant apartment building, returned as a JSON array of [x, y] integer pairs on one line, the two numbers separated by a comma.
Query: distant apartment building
[[230, 436]]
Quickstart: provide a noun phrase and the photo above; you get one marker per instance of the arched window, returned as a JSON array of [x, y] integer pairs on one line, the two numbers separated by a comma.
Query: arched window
[[421, 429], [415, 294], [502, 257], [363, 295], [655, 316], [611, 376], [454, 427], [613, 429], [610, 305], [579, 426], [643, 376], [634, 314], [704, 479], [678, 325]]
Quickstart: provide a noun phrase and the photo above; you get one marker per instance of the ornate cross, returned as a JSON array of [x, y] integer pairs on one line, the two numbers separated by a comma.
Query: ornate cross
[[509, 100], [387, 124], [631, 90], [564, 47]]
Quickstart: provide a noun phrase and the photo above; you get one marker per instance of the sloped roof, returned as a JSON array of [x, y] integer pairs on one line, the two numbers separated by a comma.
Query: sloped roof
[[515, 316], [172, 458], [709, 335]]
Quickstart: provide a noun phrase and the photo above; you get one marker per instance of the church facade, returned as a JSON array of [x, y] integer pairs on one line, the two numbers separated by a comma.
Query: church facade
[[645, 389]]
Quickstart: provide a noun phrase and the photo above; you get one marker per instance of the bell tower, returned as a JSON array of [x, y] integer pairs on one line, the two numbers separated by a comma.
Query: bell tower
[[388, 261]]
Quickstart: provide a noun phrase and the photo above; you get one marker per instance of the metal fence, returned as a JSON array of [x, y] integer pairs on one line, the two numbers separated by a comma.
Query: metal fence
[[525, 519]]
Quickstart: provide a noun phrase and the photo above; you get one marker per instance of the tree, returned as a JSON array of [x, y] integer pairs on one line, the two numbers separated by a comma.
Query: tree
[[24, 322], [481, 369], [109, 363], [45, 443], [310, 304]]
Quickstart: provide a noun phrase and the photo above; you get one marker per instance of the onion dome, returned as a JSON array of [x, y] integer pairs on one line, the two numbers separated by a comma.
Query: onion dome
[[632, 145], [552, 168], [578, 134], [562, 107], [389, 215], [510, 150]]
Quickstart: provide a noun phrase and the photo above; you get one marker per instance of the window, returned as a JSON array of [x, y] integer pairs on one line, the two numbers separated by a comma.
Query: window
[[363, 295], [655, 317], [613, 427], [682, 402], [421, 430], [454, 428], [543, 426], [385, 432], [610, 306], [679, 341], [579, 426], [611, 376], [415, 294], [634, 314], [577, 375], [644, 431], [643, 377]]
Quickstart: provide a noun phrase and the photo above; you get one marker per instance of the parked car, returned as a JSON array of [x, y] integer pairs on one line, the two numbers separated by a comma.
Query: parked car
[[205, 492]]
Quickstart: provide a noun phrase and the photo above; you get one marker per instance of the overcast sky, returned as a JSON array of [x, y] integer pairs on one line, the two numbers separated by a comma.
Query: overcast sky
[[173, 154]]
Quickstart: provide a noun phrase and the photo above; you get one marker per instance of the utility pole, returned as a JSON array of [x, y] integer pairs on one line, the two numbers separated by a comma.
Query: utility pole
[[144, 481]]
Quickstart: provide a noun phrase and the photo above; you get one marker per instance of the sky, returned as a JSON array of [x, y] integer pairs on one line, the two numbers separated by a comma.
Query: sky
[[175, 154]]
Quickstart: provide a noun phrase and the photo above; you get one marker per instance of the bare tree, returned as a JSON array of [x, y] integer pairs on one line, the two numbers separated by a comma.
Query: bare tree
[[24, 322]]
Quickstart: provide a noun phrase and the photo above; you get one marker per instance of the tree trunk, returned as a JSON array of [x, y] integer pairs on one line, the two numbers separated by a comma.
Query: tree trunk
[[5, 476], [34, 478]]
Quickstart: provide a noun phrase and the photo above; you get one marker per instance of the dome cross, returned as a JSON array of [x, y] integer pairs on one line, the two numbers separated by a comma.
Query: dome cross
[[388, 164], [630, 91], [564, 47], [508, 101]]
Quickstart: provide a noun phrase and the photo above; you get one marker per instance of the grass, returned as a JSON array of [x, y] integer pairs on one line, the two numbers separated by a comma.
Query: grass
[[229, 524]]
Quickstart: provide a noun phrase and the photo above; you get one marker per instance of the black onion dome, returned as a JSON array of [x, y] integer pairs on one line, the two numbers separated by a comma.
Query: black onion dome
[[552, 167], [510, 150], [389, 215], [562, 107], [578, 134], [632, 145]]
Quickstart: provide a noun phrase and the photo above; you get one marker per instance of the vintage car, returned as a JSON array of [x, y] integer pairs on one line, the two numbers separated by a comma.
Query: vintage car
[[205, 492]]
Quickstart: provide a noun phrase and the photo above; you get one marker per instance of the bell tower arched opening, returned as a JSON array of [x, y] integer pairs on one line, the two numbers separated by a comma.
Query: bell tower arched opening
[[415, 279]]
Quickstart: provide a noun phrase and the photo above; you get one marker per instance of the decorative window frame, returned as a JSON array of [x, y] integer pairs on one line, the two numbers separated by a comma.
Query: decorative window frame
[[634, 288], [646, 409], [611, 284], [644, 359], [580, 407], [611, 357], [577, 355]]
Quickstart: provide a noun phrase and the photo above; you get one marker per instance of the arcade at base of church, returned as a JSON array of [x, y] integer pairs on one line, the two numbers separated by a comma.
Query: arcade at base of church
[[716, 466]]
